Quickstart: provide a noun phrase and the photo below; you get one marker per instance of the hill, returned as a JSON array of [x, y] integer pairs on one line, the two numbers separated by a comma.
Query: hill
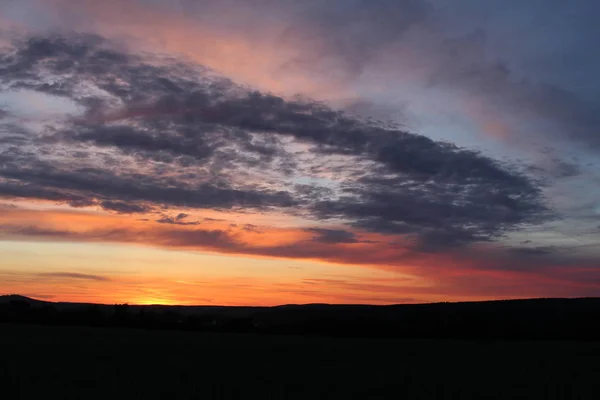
[[576, 319], [5, 299]]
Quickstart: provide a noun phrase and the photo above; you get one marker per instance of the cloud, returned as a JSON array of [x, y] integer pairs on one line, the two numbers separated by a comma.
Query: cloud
[[177, 220], [483, 271], [124, 208], [533, 251], [329, 245], [558, 111], [158, 133], [346, 36], [27, 176], [73, 275], [333, 235], [273, 45]]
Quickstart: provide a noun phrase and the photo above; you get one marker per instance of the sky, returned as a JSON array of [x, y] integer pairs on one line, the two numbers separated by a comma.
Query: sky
[[276, 151]]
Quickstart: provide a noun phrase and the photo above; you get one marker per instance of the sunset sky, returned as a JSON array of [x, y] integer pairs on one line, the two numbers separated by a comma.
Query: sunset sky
[[268, 152]]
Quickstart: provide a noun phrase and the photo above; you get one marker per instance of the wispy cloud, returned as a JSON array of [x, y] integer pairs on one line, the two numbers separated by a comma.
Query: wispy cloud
[[73, 275]]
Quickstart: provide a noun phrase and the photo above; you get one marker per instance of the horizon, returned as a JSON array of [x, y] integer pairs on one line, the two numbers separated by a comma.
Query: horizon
[[301, 304], [275, 153]]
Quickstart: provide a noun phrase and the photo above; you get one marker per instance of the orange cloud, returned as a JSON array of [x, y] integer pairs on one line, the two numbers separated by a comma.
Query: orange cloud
[[479, 273], [253, 55]]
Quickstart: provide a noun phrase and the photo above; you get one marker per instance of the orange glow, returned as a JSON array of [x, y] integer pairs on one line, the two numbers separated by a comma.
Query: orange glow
[[148, 301], [256, 56], [255, 241], [217, 269]]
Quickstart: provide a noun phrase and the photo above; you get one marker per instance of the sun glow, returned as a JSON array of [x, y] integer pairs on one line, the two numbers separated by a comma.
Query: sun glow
[[147, 301]]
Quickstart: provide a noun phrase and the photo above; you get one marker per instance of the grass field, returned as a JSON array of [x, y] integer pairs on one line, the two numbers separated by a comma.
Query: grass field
[[95, 363]]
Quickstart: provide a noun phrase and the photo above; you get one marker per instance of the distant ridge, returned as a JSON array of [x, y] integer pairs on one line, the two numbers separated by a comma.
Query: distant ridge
[[525, 319], [17, 297]]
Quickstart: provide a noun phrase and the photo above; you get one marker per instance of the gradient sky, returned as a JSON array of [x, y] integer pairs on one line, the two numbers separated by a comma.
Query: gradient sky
[[277, 151]]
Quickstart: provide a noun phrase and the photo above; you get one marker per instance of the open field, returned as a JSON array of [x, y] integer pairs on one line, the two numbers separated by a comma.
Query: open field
[[101, 363]]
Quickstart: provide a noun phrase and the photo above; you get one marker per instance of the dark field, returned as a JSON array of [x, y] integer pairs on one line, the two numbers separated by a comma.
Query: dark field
[[101, 363]]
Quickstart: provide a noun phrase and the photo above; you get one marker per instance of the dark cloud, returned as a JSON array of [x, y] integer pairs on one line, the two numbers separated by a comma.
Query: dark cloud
[[177, 220], [80, 203], [170, 136], [443, 213], [12, 134], [333, 235], [151, 144], [124, 208], [250, 228], [534, 251], [566, 169], [213, 239], [27, 177], [73, 275]]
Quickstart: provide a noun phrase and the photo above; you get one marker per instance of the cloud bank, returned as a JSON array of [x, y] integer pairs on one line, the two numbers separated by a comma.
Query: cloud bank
[[155, 133]]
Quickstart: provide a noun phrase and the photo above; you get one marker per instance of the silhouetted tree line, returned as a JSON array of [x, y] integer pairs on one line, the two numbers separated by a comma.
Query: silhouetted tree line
[[572, 319]]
